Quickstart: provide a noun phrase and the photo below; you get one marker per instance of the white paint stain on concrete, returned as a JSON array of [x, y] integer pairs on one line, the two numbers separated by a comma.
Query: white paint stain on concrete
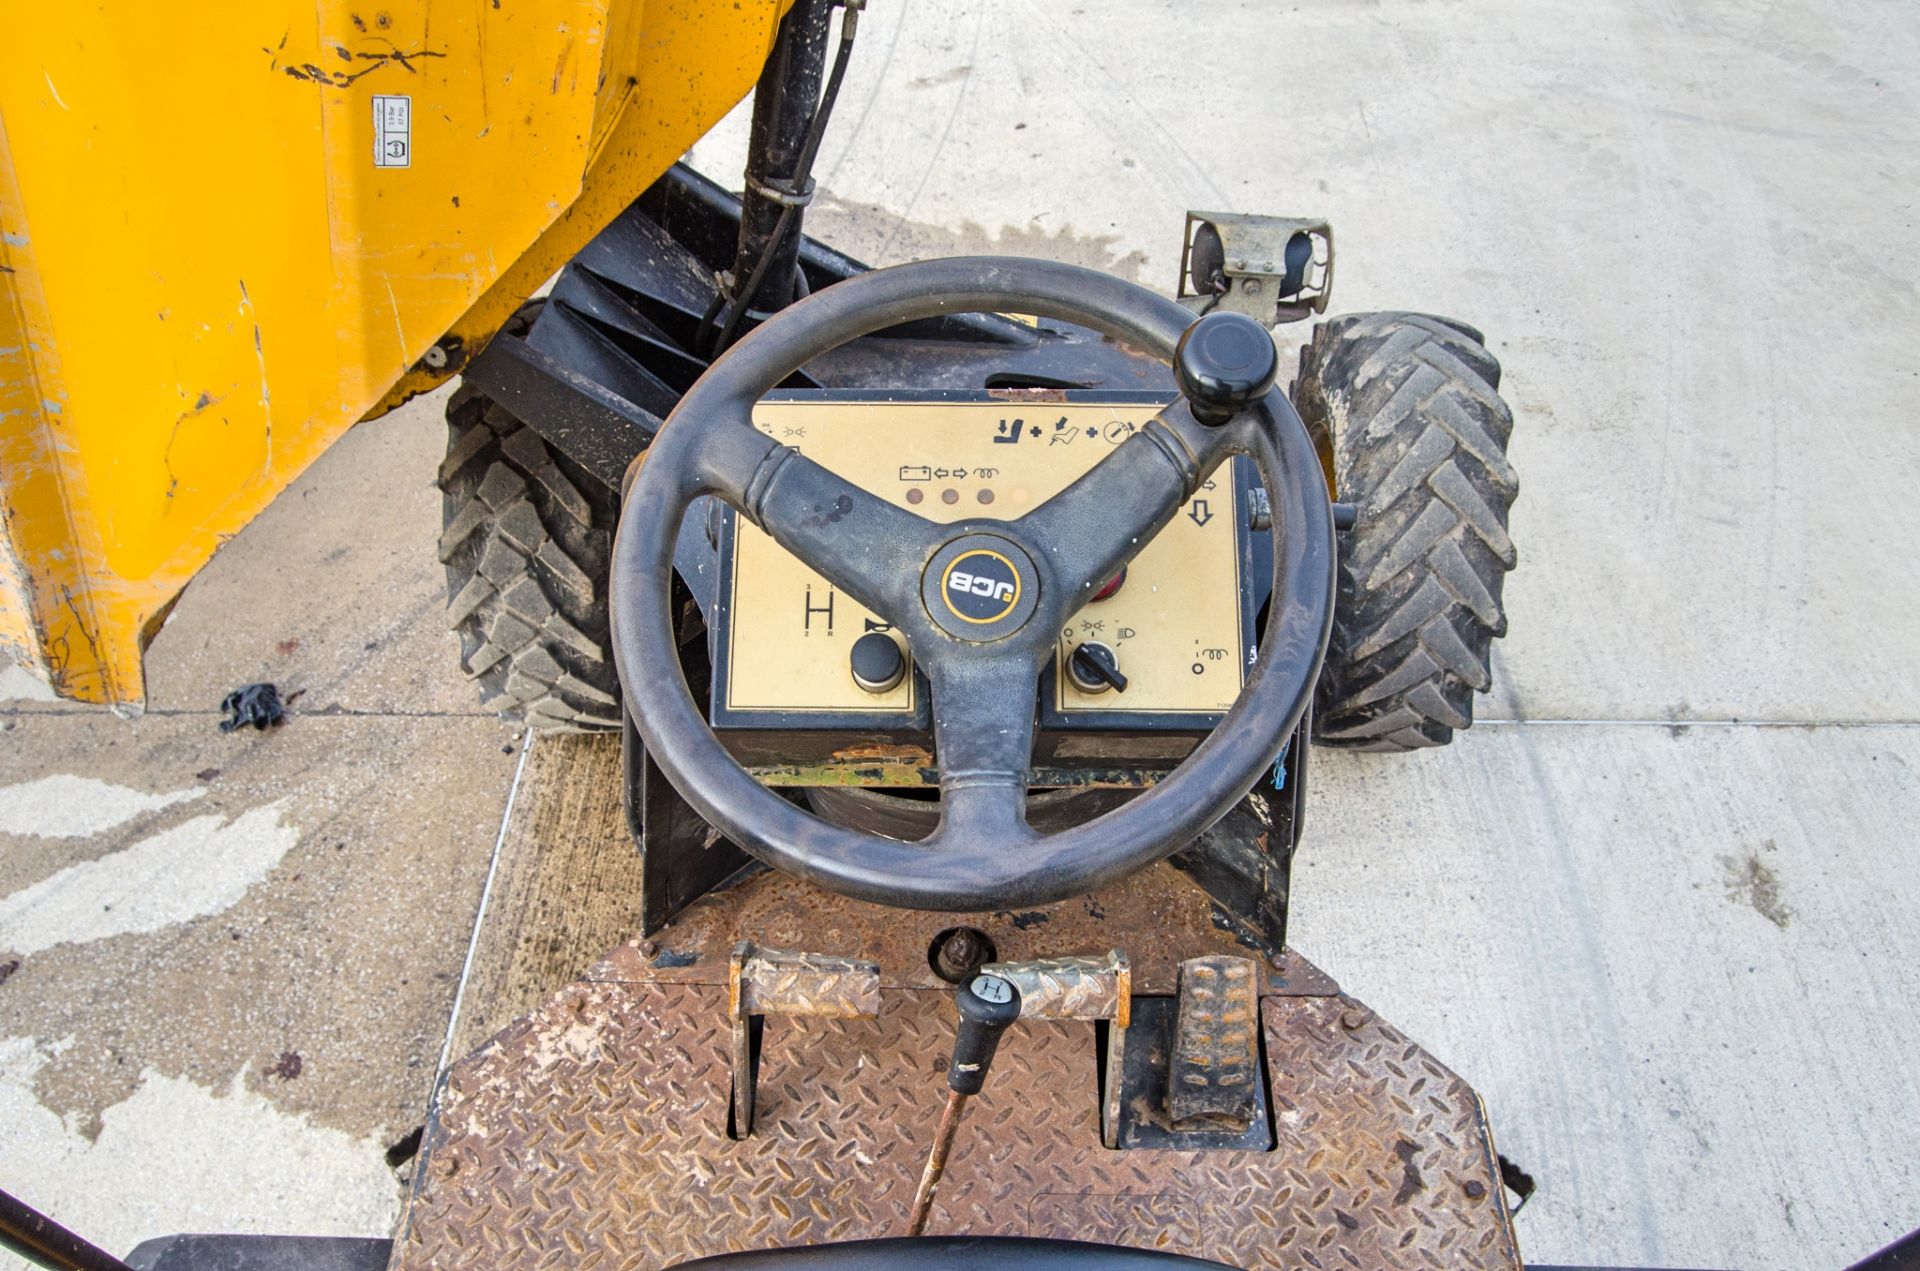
[[174, 1156], [198, 867], [17, 684], [64, 806]]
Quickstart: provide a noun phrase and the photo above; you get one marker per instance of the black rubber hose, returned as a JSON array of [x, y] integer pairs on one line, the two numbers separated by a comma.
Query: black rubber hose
[[802, 175]]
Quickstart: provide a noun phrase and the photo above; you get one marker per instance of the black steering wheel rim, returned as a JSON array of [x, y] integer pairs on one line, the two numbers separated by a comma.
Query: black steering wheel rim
[[985, 861]]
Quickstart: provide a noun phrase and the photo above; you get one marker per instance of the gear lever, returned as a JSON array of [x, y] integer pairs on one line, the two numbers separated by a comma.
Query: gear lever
[[987, 1004]]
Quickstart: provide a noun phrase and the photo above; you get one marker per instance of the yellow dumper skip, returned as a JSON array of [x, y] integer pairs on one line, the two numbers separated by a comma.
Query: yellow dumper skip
[[227, 234]]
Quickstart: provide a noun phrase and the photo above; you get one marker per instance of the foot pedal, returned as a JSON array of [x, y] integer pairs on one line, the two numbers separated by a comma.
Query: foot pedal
[[1098, 988], [1213, 1076], [1193, 1078], [763, 982]]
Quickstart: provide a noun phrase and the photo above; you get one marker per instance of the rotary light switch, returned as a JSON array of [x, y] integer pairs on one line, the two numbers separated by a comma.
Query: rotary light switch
[[877, 663], [1095, 668]]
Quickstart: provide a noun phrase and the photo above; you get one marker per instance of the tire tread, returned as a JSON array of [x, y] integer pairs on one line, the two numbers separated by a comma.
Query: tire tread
[[1411, 403], [526, 544]]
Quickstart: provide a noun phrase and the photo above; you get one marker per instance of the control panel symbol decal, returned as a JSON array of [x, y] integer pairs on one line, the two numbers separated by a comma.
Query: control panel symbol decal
[[1009, 432], [1200, 513], [826, 611], [915, 472]]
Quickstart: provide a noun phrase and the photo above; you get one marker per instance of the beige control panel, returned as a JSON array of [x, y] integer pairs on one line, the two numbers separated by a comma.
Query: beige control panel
[[1174, 625]]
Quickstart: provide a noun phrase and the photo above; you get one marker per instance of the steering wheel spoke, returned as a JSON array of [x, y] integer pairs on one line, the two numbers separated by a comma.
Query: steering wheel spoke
[[856, 540], [983, 723], [1094, 527]]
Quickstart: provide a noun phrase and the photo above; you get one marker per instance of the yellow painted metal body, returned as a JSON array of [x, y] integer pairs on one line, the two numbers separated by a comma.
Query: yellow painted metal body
[[205, 278]]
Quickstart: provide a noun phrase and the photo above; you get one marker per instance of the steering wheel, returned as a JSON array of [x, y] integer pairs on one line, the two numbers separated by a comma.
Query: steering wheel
[[980, 600]]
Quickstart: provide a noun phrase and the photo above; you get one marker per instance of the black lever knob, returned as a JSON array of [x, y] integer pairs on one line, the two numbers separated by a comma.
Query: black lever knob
[[987, 1005], [1223, 362]]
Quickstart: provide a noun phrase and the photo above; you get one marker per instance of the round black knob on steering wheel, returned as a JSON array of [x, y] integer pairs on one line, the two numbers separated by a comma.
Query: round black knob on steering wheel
[[980, 601], [1224, 363]]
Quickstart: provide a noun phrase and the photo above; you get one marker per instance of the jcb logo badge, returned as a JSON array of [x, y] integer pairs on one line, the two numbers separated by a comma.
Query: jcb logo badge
[[981, 587]]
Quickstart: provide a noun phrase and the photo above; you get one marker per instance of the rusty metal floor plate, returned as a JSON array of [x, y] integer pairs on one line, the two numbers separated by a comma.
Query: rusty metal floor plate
[[1157, 916], [594, 1134]]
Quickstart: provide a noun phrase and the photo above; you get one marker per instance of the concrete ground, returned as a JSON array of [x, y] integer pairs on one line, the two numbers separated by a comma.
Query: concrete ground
[[227, 961], [1656, 906]]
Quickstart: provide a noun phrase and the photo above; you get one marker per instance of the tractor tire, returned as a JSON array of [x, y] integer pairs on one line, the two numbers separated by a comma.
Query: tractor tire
[[1408, 407], [526, 543]]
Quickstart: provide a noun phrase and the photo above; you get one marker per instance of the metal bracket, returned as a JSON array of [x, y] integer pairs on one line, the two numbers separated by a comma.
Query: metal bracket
[[1094, 987], [589, 422], [1271, 268], [1245, 861], [682, 858], [762, 982]]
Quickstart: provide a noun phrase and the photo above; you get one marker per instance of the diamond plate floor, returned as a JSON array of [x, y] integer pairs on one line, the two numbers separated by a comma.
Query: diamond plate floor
[[593, 1133]]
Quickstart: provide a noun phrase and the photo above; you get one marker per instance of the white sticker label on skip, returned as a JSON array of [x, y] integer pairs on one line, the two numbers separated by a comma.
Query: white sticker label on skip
[[392, 132]]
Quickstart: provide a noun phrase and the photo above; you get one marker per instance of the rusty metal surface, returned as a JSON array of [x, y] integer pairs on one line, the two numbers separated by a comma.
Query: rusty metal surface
[[1158, 917], [1291, 975], [780, 982], [1212, 1072], [592, 1134], [1086, 987]]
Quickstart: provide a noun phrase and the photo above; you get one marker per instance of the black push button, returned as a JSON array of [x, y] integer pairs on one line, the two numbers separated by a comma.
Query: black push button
[[878, 665]]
